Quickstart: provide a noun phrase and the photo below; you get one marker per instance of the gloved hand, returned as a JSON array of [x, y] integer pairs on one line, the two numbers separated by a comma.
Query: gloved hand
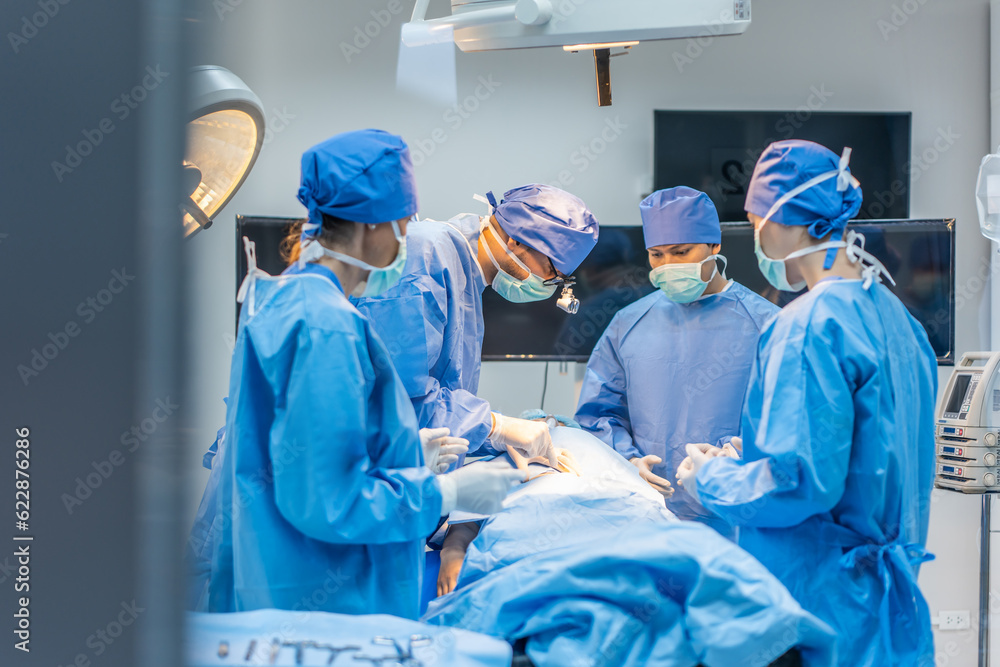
[[566, 461], [706, 448], [478, 488], [687, 471], [440, 449], [733, 449], [528, 437], [645, 465]]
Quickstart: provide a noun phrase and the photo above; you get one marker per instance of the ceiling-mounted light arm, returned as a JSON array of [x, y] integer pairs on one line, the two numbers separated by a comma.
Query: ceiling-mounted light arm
[[602, 65], [421, 31]]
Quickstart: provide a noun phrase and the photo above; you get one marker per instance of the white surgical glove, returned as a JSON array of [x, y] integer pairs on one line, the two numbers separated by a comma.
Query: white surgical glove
[[645, 465], [479, 488], [687, 471], [440, 449], [733, 449], [528, 437]]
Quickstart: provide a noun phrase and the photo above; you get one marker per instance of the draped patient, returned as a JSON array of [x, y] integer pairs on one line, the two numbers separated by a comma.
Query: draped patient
[[589, 469]]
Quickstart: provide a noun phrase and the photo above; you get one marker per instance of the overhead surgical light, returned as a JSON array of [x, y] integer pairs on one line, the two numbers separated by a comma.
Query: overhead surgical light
[[594, 47], [225, 131], [597, 25]]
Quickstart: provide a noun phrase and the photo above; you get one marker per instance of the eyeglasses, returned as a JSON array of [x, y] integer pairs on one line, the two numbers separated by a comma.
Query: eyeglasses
[[560, 280]]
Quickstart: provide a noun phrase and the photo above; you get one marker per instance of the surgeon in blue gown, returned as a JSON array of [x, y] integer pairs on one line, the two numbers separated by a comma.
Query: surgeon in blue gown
[[833, 490], [432, 321], [321, 496], [672, 368]]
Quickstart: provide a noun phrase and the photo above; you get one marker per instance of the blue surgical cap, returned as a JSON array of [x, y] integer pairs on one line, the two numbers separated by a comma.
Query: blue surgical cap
[[363, 176], [824, 208], [679, 215], [551, 221]]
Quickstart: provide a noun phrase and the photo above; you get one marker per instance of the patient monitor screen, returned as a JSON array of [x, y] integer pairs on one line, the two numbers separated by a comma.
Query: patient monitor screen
[[958, 393]]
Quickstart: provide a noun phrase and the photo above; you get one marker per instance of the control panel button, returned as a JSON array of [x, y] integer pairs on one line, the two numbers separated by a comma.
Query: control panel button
[[990, 439], [990, 459], [989, 479]]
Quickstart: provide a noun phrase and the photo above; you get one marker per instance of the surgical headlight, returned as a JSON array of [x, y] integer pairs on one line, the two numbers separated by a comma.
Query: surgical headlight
[[567, 300]]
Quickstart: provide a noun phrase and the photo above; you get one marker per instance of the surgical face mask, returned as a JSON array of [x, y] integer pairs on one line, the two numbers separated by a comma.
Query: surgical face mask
[[774, 270], [532, 288], [682, 283], [380, 279]]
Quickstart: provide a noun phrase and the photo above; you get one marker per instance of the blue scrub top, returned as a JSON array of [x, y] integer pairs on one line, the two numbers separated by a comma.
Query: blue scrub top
[[665, 374], [322, 499], [432, 324], [833, 494]]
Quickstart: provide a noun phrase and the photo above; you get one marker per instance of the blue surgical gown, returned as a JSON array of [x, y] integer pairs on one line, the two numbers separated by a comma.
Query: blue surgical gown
[[322, 499], [204, 532], [833, 494], [432, 324], [665, 374]]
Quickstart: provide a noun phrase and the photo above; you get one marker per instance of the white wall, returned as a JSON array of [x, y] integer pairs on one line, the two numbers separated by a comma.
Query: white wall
[[866, 55]]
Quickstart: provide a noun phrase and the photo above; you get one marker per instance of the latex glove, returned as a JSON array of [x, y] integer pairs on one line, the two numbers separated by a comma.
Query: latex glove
[[528, 437], [478, 488], [733, 449], [645, 465], [687, 471], [736, 444], [705, 448], [566, 461], [451, 567], [440, 449]]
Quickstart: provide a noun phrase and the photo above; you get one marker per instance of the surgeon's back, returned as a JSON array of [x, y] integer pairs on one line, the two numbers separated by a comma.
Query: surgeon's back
[[850, 372]]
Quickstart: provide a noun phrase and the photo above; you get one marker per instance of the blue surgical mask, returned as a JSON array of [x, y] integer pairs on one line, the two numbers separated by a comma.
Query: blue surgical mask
[[380, 279], [776, 270], [682, 283], [532, 288]]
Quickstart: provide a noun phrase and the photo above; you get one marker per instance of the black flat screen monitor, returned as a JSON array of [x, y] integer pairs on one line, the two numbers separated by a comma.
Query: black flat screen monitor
[[715, 152], [918, 253], [267, 233]]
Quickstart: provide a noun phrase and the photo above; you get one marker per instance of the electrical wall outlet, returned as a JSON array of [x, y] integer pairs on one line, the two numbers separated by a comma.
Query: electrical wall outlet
[[954, 620]]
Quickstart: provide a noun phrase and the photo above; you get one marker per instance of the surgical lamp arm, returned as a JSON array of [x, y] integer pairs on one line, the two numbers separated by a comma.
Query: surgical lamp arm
[[421, 30]]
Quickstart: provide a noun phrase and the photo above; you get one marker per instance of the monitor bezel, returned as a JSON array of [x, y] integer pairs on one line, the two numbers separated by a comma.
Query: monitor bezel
[[947, 360]]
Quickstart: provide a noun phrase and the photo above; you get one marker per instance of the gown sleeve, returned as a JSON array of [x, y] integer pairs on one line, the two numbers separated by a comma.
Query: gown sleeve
[[800, 414], [337, 426], [440, 405], [603, 406], [416, 329]]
